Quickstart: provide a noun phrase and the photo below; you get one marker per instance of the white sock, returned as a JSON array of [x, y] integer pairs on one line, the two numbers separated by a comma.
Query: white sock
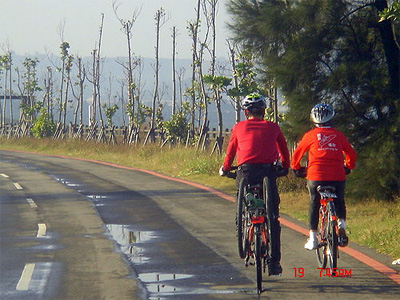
[[342, 223], [313, 235]]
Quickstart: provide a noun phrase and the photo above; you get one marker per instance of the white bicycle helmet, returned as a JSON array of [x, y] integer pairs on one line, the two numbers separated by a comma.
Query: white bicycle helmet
[[322, 113], [253, 101]]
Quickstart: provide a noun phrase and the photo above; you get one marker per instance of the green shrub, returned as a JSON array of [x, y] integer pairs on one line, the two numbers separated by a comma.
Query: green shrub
[[43, 126]]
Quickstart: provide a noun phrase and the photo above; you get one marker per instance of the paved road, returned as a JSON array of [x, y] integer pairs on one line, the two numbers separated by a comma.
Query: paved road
[[73, 229]]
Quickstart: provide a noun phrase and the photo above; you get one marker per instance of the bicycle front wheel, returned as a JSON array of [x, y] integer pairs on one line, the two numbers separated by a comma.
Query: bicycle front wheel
[[241, 220]]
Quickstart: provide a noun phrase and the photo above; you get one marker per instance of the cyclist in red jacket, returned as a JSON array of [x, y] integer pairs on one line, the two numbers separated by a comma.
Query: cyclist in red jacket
[[257, 144], [330, 157]]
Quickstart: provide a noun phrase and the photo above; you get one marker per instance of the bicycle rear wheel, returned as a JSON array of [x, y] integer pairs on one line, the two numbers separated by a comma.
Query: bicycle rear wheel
[[322, 233], [258, 260], [327, 255], [332, 243], [241, 220], [267, 195]]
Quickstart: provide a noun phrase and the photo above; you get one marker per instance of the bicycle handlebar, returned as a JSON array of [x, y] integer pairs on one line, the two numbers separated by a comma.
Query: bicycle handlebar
[[279, 170], [231, 174], [302, 172]]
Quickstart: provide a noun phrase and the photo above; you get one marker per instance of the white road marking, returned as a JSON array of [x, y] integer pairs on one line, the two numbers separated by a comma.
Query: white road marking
[[4, 175], [17, 186], [42, 230], [23, 283], [31, 202]]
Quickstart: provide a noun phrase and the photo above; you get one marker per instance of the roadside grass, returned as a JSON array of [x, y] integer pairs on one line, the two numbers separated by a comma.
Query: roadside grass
[[371, 223]]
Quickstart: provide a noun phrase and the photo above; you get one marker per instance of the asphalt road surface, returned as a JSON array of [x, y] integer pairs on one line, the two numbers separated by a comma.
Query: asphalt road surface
[[74, 229]]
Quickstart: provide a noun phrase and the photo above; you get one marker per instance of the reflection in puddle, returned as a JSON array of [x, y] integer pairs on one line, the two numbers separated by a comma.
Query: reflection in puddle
[[155, 277], [155, 282], [162, 288], [66, 182], [128, 241], [159, 285], [96, 197]]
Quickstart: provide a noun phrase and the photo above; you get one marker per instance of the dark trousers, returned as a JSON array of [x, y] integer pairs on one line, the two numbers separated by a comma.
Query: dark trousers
[[254, 174], [313, 214]]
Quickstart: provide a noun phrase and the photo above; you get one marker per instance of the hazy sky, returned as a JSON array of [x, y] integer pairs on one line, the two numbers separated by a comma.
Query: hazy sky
[[33, 26]]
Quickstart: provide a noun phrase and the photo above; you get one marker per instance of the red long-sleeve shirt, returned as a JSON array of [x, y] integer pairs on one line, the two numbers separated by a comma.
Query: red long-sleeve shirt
[[256, 141], [328, 150]]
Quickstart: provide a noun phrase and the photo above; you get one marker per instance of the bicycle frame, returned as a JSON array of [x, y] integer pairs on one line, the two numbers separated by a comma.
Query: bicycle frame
[[256, 227]]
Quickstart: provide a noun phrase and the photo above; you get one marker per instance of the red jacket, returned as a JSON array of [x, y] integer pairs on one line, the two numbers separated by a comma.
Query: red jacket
[[256, 141], [328, 152]]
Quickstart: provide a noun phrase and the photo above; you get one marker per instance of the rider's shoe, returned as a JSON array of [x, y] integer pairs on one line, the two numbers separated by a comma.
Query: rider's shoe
[[311, 244], [274, 269], [343, 239]]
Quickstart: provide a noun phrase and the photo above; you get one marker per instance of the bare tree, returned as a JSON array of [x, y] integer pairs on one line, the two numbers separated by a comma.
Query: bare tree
[[232, 52], [132, 63], [5, 66], [95, 81], [81, 77], [174, 32], [160, 21], [194, 32], [49, 93]]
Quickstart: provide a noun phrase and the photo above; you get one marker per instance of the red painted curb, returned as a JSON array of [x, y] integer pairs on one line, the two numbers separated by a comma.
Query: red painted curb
[[381, 268]]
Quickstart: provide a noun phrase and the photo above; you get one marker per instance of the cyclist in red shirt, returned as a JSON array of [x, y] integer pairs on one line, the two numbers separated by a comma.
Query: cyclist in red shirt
[[257, 144], [330, 158]]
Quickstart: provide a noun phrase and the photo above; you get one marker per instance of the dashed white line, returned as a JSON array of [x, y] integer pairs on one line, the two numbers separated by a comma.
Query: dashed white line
[[41, 230], [31, 202], [23, 283], [17, 186], [4, 175]]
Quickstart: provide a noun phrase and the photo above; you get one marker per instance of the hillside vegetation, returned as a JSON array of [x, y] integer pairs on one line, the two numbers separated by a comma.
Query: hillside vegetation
[[370, 223]]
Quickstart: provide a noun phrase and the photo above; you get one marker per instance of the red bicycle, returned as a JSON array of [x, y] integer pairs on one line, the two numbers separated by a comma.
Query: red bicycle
[[252, 224]]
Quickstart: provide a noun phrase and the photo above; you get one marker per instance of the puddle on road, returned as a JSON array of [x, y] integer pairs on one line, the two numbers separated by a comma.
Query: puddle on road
[[96, 199], [65, 181], [159, 285], [129, 241], [155, 277], [156, 282]]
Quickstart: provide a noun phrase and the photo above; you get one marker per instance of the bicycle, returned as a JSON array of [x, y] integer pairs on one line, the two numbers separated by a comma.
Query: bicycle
[[328, 231], [253, 225]]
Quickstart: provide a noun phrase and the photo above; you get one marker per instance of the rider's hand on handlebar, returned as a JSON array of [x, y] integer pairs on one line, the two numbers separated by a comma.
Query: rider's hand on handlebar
[[222, 172], [302, 172], [347, 170], [281, 171]]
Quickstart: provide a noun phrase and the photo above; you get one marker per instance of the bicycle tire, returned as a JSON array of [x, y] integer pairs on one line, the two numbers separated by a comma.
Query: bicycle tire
[[241, 220], [257, 258], [332, 240], [322, 232], [266, 195]]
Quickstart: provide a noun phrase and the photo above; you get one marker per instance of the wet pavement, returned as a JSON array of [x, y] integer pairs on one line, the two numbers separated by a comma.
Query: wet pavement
[[179, 241]]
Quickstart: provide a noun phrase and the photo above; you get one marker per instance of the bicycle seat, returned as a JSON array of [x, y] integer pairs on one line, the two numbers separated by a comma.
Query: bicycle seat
[[326, 191], [326, 188]]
